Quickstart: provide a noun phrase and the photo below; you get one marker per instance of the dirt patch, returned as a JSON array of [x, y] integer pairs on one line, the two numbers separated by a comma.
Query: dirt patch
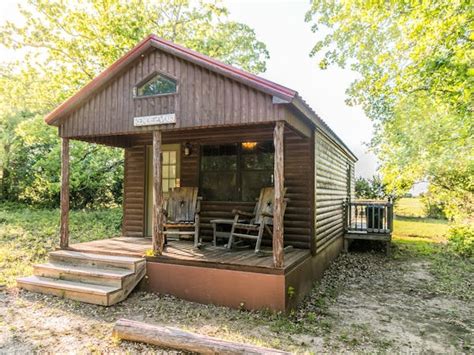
[[365, 302]]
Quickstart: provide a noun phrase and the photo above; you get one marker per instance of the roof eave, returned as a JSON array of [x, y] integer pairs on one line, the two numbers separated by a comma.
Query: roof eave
[[299, 104], [67, 106]]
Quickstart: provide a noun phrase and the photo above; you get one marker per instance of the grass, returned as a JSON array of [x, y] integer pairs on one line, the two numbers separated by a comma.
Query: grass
[[410, 207], [422, 236], [27, 235], [425, 239]]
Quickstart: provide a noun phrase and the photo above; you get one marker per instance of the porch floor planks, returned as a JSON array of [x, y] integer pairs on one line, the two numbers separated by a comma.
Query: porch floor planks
[[131, 246], [182, 252]]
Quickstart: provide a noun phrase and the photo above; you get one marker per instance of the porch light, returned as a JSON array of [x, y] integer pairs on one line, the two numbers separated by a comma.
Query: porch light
[[187, 149], [249, 145]]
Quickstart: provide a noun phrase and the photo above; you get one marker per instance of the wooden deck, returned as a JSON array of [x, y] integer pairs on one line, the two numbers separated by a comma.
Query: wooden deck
[[182, 253]]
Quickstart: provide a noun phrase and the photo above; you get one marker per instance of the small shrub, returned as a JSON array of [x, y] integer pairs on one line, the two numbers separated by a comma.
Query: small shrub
[[461, 240], [433, 207]]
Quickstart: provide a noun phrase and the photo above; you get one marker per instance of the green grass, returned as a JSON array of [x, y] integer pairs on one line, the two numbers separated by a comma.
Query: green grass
[[27, 235], [415, 233], [410, 207], [421, 235], [425, 239]]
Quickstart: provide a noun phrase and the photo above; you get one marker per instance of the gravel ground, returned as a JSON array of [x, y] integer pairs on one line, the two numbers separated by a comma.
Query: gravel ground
[[364, 303]]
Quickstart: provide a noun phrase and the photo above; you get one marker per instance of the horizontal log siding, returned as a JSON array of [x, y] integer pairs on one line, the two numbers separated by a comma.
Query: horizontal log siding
[[298, 176], [204, 98], [298, 172], [331, 181], [134, 192]]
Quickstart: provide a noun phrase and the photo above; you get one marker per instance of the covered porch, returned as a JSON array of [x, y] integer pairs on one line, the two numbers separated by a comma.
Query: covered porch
[[229, 165], [279, 155]]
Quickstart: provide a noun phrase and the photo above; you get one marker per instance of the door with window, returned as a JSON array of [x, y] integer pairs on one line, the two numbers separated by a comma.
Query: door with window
[[170, 176]]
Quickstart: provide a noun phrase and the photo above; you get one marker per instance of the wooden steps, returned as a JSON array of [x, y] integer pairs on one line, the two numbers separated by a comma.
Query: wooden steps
[[90, 278]]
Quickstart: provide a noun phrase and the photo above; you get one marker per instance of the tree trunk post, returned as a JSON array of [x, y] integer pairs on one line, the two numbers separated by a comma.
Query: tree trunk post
[[157, 233], [64, 223], [278, 206]]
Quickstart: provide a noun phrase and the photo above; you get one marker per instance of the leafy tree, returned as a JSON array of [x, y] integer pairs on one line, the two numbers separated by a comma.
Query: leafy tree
[[66, 44], [70, 42], [372, 188], [96, 173], [416, 77]]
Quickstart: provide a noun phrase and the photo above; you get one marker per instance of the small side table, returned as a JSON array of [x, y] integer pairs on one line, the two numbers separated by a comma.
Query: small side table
[[221, 229]]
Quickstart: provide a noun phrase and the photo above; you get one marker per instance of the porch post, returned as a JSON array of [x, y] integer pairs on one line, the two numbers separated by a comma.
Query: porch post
[[278, 206], [64, 223], [157, 232]]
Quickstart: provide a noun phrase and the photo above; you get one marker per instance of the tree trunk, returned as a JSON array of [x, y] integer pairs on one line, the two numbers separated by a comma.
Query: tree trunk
[[64, 228], [278, 206]]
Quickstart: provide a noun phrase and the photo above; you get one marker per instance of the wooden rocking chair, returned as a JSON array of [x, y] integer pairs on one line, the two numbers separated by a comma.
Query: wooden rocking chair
[[261, 219], [181, 213]]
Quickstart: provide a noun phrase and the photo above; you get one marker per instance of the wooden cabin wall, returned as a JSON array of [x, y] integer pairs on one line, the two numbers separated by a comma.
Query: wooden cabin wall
[[204, 99], [298, 177], [335, 182], [134, 192], [298, 180]]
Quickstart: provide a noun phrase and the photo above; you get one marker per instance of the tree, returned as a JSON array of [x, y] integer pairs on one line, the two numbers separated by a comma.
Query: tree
[[96, 173], [372, 188], [66, 44], [70, 42], [416, 77]]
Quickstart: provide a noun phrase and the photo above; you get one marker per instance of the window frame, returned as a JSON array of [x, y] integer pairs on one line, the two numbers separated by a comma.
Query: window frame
[[148, 78], [238, 171]]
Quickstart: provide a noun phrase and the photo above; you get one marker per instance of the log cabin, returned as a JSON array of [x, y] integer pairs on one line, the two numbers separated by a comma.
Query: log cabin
[[184, 119]]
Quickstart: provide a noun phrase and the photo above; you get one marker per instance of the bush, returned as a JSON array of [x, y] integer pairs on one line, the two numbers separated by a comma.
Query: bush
[[434, 209], [461, 240], [372, 188]]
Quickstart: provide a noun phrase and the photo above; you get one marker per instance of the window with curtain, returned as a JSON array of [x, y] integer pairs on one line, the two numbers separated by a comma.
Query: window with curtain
[[236, 172]]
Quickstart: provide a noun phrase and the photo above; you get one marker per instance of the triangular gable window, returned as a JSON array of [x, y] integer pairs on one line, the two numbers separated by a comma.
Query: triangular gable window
[[157, 84]]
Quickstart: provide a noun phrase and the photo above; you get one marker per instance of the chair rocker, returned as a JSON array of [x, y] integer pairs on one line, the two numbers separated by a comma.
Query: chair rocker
[[261, 220], [181, 214]]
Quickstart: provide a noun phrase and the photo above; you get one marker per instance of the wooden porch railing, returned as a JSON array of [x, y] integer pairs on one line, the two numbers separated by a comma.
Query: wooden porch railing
[[369, 217]]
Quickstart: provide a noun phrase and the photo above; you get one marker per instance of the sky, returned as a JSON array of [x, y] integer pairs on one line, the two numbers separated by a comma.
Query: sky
[[280, 25]]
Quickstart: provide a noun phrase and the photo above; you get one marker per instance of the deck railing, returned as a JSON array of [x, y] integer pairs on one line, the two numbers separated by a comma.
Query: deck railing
[[374, 217]]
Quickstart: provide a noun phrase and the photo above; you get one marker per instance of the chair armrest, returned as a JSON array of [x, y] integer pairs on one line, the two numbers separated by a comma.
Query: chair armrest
[[242, 213], [198, 207]]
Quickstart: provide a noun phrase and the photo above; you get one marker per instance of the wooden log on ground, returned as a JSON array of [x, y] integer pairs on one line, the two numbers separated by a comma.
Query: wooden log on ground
[[174, 338]]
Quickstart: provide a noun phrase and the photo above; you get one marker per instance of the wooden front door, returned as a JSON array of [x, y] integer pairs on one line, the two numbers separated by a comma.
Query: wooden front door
[[171, 169]]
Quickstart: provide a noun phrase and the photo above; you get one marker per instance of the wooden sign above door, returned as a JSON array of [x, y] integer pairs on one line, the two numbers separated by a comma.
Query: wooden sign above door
[[154, 120]]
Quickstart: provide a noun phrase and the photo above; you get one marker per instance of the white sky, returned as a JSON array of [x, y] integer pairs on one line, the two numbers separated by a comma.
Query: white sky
[[280, 25]]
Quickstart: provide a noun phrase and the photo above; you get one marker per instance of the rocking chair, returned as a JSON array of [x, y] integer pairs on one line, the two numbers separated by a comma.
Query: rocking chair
[[181, 214], [261, 219]]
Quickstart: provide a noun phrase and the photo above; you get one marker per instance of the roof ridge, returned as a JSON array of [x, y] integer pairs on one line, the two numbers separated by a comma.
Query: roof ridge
[[284, 89], [154, 40]]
